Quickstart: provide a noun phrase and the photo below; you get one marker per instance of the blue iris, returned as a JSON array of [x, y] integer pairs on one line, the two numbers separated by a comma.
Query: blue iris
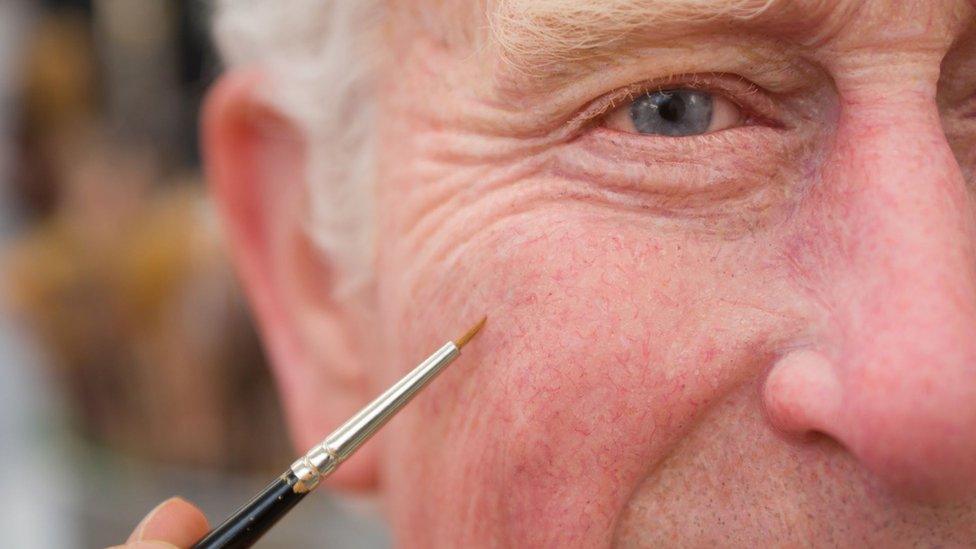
[[672, 112]]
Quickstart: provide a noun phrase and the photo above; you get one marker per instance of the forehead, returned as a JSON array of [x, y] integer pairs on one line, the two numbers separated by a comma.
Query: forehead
[[562, 38], [566, 28]]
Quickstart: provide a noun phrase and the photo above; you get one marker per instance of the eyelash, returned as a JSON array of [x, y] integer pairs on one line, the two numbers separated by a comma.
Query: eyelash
[[732, 87]]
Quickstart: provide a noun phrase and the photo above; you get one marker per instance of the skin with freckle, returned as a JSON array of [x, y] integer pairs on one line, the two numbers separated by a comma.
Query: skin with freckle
[[764, 335]]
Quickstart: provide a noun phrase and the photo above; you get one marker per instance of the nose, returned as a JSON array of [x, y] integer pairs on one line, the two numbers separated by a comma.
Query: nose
[[886, 247]]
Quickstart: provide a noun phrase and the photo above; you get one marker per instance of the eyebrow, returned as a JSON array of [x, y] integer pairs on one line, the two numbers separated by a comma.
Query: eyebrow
[[544, 36]]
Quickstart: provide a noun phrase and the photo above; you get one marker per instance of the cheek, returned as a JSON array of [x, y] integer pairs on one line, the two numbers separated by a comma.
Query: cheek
[[603, 345]]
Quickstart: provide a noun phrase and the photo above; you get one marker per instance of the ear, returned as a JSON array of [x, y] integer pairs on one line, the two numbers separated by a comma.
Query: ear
[[255, 160]]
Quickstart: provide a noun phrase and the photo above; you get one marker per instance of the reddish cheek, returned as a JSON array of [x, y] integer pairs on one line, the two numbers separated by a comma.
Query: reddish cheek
[[584, 434], [571, 393], [708, 354]]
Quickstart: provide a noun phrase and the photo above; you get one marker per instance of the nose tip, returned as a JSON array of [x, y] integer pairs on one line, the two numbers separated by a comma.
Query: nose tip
[[919, 440], [802, 393]]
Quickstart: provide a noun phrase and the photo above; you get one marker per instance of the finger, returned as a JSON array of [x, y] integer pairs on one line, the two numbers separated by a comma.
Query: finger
[[175, 521], [145, 545]]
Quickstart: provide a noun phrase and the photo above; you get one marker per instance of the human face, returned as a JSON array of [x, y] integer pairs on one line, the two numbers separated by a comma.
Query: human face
[[763, 332]]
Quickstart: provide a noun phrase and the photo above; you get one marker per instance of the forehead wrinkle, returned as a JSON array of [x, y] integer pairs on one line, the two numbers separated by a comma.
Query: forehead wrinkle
[[540, 36]]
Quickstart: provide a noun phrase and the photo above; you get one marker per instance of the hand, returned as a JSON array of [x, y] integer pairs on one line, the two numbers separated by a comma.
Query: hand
[[173, 523]]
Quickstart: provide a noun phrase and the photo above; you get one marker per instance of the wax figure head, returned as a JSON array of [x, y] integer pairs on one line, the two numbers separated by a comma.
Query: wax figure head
[[727, 252]]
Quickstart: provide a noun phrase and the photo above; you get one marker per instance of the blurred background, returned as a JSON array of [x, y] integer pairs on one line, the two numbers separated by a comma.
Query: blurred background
[[129, 367]]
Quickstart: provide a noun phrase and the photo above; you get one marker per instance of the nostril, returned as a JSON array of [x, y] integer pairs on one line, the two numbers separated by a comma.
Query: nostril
[[802, 394]]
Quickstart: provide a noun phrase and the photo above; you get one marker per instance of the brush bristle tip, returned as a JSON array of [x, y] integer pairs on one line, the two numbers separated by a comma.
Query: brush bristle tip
[[463, 340]]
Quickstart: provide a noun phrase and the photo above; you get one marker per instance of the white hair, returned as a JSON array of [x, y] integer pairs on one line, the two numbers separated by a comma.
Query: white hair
[[320, 58]]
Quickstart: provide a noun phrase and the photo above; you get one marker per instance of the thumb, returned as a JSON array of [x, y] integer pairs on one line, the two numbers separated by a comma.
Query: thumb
[[174, 522]]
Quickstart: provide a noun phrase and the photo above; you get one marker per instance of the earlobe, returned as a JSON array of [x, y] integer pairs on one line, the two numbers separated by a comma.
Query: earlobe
[[255, 160]]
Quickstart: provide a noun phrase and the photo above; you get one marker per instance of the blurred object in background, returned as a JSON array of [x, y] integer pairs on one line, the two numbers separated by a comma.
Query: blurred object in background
[[127, 289], [120, 273], [26, 402], [114, 267], [58, 96], [135, 43]]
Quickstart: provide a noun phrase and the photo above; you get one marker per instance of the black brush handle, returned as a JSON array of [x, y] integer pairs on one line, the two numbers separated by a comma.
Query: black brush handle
[[245, 527]]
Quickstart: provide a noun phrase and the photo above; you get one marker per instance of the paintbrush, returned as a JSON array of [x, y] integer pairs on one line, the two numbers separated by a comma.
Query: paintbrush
[[251, 521]]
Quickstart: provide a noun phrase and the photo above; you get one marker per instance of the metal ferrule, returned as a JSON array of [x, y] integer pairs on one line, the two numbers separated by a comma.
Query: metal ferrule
[[311, 468], [322, 459]]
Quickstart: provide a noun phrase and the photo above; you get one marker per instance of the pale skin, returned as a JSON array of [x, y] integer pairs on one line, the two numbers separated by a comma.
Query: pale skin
[[762, 334]]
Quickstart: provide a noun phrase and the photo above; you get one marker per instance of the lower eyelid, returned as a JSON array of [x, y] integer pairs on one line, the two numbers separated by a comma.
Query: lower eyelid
[[733, 185], [609, 150]]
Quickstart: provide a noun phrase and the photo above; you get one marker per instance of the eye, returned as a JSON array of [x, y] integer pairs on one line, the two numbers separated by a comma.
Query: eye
[[675, 113]]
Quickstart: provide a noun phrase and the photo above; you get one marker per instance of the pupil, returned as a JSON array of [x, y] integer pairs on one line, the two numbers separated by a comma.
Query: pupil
[[672, 108]]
